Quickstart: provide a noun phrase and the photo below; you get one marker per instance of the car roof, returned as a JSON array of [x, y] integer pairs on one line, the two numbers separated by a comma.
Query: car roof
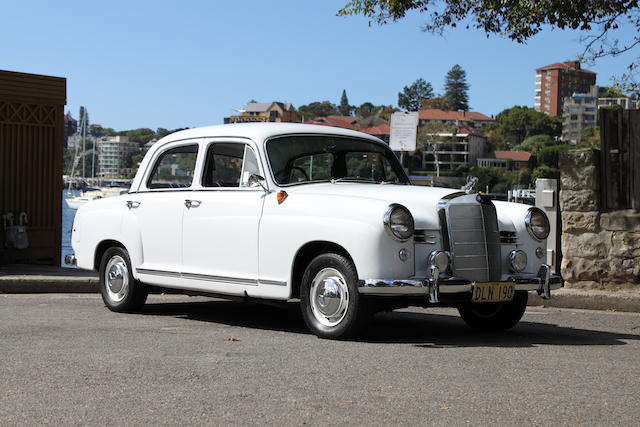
[[260, 131], [257, 132]]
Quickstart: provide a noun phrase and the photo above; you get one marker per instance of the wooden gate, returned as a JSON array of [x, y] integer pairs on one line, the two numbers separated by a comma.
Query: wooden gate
[[620, 144], [31, 144]]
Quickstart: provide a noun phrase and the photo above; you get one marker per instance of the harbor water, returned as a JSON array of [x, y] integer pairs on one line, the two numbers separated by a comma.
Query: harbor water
[[67, 224]]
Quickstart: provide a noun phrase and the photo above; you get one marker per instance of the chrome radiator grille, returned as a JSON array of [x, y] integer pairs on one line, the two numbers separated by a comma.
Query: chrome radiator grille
[[474, 239]]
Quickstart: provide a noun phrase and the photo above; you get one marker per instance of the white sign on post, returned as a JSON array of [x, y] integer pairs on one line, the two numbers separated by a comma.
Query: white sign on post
[[404, 130]]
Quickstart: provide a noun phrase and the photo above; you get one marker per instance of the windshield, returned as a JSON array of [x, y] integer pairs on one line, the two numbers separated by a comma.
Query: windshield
[[313, 158]]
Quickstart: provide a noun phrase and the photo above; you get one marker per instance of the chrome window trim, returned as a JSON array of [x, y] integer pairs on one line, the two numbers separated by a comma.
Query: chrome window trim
[[362, 138]]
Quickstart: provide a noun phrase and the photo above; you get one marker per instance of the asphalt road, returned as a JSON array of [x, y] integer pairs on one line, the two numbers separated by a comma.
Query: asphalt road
[[65, 359]]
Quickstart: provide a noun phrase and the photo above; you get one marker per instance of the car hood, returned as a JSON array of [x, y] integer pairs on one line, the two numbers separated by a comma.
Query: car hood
[[420, 200]]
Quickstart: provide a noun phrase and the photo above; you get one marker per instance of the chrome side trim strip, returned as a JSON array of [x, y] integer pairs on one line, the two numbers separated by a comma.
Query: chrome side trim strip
[[234, 280], [271, 282], [207, 277], [157, 272]]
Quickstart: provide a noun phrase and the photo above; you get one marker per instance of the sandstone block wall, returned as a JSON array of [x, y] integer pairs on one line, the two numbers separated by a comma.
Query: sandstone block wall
[[600, 249]]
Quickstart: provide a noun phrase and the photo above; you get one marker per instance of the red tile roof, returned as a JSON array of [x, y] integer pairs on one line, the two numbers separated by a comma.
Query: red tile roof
[[337, 121], [518, 156], [560, 65], [435, 114], [463, 130], [383, 129]]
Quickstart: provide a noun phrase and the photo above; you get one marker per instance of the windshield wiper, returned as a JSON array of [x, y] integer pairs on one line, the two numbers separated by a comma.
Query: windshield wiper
[[354, 179]]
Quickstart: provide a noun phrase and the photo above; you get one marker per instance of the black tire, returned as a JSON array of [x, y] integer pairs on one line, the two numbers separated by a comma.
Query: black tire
[[132, 294], [353, 313], [491, 317]]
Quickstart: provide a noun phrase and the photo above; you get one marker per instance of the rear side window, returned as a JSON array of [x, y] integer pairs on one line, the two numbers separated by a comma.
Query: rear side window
[[174, 168], [229, 165]]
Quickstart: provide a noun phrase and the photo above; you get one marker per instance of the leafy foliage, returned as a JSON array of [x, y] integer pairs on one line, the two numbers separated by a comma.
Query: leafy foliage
[[520, 20], [534, 144], [345, 108], [514, 124], [411, 96], [609, 92], [456, 89], [317, 109]]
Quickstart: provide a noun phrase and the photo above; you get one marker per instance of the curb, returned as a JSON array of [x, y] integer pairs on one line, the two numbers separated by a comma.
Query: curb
[[49, 286], [562, 298], [589, 300]]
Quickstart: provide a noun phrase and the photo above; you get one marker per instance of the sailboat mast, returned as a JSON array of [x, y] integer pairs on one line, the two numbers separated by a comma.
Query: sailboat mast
[[83, 125]]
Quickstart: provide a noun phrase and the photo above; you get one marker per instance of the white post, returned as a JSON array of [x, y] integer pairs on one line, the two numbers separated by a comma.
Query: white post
[[547, 200]]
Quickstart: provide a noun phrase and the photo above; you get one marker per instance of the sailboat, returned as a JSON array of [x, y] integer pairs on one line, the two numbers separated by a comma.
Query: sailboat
[[87, 194]]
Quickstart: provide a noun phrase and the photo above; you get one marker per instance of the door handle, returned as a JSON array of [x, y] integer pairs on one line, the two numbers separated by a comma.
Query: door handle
[[192, 203], [132, 204]]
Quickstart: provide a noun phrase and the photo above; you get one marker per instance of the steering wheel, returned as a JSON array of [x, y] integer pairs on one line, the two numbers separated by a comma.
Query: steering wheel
[[302, 171]]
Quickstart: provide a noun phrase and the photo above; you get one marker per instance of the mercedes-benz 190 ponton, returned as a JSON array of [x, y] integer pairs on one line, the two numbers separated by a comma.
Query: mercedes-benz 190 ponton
[[320, 214]]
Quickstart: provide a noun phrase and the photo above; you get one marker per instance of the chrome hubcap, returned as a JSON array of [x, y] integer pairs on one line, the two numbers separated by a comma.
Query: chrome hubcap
[[116, 278], [329, 297]]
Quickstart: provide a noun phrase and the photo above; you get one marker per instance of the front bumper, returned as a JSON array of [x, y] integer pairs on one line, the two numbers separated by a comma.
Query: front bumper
[[543, 283]]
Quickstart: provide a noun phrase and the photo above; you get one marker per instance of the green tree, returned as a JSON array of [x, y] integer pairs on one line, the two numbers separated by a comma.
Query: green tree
[[544, 171], [345, 108], [412, 96], [366, 109], [432, 136], [317, 109], [534, 144], [98, 131], [515, 124], [549, 156], [603, 20], [609, 92], [590, 137], [456, 89]]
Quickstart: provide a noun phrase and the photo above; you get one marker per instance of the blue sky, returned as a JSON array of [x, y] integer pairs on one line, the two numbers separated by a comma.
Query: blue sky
[[190, 63]]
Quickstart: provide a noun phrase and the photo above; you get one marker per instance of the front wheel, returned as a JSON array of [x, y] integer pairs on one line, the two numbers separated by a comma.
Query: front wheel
[[120, 291], [494, 316], [329, 299]]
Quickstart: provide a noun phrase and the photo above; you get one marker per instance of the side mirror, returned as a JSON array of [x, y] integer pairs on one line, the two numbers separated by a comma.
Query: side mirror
[[256, 180]]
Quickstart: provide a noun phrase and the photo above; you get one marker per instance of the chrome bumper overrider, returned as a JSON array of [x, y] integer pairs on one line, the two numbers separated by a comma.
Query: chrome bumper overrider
[[70, 260], [543, 283]]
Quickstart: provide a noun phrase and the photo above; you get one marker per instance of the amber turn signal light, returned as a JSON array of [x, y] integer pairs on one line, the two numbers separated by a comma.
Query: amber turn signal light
[[282, 195]]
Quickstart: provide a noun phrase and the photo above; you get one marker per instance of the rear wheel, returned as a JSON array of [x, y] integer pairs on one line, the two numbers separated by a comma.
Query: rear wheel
[[494, 316], [329, 299], [120, 291]]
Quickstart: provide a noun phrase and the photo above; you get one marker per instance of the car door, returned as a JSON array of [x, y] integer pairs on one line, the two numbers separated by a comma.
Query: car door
[[221, 220], [158, 208]]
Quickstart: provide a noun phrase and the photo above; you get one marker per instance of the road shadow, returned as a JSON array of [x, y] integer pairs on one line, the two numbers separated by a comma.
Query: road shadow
[[422, 329]]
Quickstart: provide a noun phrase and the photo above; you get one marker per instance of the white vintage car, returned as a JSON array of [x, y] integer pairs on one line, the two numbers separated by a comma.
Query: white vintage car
[[315, 213]]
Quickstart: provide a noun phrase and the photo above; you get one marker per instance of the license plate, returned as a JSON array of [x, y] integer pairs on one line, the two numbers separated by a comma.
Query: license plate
[[493, 291]]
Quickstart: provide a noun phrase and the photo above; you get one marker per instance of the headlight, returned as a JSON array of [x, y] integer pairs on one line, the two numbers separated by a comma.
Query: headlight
[[537, 223], [398, 222], [518, 260]]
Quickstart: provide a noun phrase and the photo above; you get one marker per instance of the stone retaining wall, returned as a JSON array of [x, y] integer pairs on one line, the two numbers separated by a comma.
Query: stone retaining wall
[[601, 250]]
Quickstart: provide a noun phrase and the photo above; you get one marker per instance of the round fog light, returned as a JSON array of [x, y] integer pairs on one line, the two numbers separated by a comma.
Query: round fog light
[[539, 252], [439, 259], [518, 260], [403, 254]]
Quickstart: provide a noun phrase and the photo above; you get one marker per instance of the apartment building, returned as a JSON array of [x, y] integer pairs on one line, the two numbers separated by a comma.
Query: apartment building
[[264, 112], [509, 160], [448, 151], [113, 153], [625, 103], [468, 119], [580, 111], [557, 81]]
